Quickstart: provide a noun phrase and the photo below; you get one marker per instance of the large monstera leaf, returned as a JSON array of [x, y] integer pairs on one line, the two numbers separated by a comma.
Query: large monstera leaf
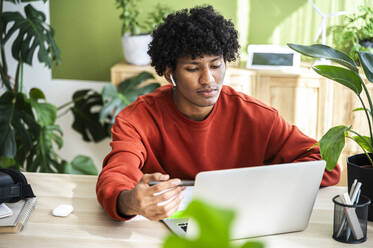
[[128, 91], [18, 127], [31, 33], [86, 116], [94, 113]]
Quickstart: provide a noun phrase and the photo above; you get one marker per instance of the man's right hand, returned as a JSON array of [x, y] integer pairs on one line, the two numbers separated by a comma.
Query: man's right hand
[[144, 199]]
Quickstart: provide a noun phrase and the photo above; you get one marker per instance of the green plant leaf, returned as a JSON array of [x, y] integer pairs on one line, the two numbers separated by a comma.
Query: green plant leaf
[[46, 112], [81, 165], [16, 116], [8, 146], [31, 33], [128, 91], [111, 109], [214, 225], [341, 75], [132, 83], [43, 156], [7, 162], [86, 112], [325, 52], [362, 109], [253, 244], [36, 93], [366, 60], [363, 143], [331, 145]]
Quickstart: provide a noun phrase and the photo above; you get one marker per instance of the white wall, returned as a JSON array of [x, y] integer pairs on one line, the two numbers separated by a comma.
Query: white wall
[[58, 92]]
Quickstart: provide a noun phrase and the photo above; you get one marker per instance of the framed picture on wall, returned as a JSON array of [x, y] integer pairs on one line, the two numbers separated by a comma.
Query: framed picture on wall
[[272, 57]]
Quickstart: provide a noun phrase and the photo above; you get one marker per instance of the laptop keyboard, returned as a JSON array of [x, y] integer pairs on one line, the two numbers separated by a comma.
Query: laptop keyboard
[[183, 226]]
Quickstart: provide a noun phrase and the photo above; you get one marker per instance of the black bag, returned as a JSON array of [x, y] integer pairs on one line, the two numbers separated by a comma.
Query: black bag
[[13, 186]]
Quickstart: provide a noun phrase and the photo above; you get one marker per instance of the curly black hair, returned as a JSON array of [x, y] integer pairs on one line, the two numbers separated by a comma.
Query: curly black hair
[[194, 32]]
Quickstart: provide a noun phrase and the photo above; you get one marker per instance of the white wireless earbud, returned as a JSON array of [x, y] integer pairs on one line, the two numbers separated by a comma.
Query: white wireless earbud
[[172, 80]]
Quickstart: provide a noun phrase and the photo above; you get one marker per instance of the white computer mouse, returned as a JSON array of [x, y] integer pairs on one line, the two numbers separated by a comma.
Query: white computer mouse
[[62, 210]]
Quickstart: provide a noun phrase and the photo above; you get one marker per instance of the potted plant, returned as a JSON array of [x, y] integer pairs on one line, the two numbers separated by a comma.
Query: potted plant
[[356, 32], [360, 166], [28, 132], [135, 36]]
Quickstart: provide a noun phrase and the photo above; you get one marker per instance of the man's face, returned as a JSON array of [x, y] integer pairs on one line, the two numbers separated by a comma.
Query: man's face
[[198, 81]]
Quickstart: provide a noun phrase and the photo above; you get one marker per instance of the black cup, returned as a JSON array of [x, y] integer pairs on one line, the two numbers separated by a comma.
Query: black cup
[[341, 229]]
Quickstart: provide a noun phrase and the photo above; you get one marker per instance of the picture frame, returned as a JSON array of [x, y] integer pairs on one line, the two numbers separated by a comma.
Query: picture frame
[[272, 57]]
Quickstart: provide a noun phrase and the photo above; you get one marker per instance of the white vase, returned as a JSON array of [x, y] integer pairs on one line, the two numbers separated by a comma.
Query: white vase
[[135, 48]]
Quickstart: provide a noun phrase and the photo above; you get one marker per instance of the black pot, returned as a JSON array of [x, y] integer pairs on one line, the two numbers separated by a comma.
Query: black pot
[[363, 175], [367, 43]]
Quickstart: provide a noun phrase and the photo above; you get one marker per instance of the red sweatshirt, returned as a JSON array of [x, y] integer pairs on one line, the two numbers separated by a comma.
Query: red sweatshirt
[[151, 135]]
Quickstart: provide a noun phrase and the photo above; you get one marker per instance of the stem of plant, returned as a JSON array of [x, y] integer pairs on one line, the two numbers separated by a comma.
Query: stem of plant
[[21, 88], [16, 81], [371, 109], [368, 118], [71, 102], [3, 59]]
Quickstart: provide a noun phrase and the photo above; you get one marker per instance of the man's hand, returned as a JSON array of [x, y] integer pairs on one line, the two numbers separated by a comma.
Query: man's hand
[[145, 199]]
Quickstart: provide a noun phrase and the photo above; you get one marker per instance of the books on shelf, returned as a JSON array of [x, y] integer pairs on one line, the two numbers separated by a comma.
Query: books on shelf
[[21, 212]]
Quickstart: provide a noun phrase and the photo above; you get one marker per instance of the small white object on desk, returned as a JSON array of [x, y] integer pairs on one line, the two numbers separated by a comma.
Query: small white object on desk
[[62, 210]]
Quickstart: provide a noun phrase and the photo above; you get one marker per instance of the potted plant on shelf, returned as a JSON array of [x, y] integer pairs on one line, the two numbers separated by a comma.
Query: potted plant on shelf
[[136, 36], [29, 134], [359, 166], [356, 32]]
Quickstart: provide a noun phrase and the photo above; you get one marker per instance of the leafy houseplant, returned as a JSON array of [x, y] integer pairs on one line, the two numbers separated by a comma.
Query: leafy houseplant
[[28, 132], [332, 143], [94, 113], [214, 224], [135, 35], [356, 33]]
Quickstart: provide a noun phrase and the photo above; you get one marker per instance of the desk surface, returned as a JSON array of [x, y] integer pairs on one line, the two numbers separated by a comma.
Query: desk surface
[[89, 226]]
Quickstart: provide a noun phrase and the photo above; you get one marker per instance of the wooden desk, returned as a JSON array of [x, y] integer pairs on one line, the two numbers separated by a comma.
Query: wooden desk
[[89, 226]]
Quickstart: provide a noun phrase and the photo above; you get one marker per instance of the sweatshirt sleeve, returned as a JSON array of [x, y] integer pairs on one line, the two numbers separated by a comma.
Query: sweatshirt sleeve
[[286, 144], [121, 167]]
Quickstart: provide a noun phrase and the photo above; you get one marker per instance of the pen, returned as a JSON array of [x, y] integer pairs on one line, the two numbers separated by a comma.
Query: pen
[[183, 183], [356, 200], [344, 221]]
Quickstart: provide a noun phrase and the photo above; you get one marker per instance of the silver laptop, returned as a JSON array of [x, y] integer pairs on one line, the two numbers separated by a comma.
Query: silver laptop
[[269, 199]]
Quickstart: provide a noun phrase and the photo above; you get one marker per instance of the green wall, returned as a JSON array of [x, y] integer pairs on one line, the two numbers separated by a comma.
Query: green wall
[[88, 31]]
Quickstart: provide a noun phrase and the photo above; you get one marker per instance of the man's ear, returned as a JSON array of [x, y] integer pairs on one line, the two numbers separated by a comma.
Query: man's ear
[[167, 74]]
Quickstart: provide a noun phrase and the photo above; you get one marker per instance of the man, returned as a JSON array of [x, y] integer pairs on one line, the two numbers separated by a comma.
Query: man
[[194, 124]]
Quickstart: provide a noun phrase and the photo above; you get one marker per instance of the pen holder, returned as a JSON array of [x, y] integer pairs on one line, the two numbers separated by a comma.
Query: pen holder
[[350, 221]]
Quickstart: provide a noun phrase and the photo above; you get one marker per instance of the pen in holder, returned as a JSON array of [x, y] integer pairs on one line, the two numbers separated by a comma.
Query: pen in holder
[[350, 220]]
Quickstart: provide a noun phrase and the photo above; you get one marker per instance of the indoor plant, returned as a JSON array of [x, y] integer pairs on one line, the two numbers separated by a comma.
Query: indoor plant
[[214, 225], [135, 35], [331, 144], [28, 132], [94, 112], [356, 32]]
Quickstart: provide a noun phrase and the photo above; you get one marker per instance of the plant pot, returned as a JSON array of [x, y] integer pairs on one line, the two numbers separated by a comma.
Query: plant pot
[[355, 170], [135, 48], [368, 43]]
